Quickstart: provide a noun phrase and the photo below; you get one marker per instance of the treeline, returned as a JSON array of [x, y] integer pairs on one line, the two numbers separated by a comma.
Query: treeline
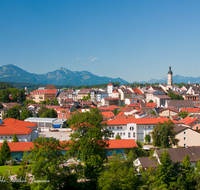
[[12, 95]]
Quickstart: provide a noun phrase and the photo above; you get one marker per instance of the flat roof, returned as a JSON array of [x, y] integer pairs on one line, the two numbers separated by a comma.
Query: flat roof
[[40, 119]]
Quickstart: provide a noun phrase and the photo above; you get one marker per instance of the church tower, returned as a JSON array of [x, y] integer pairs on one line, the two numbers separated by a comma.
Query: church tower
[[170, 77]]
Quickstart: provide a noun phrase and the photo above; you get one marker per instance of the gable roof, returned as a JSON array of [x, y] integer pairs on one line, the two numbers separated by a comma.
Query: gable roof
[[191, 110], [179, 103], [178, 154], [188, 120], [146, 162]]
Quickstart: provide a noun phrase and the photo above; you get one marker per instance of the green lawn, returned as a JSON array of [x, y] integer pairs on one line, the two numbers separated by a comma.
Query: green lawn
[[10, 168]]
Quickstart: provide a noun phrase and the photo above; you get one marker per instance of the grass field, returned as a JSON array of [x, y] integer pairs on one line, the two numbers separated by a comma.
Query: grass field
[[13, 169]]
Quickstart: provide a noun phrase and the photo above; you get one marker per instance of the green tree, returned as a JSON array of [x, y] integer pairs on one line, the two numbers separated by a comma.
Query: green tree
[[174, 96], [185, 179], [47, 113], [118, 175], [163, 134], [150, 101], [183, 114], [89, 141], [164, 177], [117, 136], [47, 158], [5, 153], [26, 114], [116, 111], [5, 183], [147, 138], [13, 112], [15, 139]]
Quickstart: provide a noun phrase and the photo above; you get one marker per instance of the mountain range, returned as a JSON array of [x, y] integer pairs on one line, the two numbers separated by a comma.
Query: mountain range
[[62, 76]]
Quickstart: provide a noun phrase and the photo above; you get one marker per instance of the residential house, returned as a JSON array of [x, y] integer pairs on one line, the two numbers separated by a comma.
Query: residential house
[[168, 112], [126, 93], [187, 136], [157, 97], [191, 111]]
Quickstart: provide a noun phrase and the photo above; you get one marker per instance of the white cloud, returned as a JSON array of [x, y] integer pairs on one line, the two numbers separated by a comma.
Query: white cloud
[[192, 69], [94, 58], [77, 58]]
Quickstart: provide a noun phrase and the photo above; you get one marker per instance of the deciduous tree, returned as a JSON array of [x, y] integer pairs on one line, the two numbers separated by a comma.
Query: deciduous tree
[[89, 141]]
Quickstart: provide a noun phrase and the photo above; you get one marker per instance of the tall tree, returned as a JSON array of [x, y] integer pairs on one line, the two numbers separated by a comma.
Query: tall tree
[[163, 134], [15, 139], [5, 153], [89, 141], [165, 176], [147, 138], [47, 160], [185, 179], [118, 175], [26, 114]]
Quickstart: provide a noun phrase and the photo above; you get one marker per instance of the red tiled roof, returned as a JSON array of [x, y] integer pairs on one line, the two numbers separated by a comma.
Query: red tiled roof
[[115, 91], [113, 144], [140, 121], [108, 114], [11, 126], [188, 120], [51, 91], [19, 146], [191, 110], [134, 105], [122, 143], [136, 91], [24, 146], [110, 84], [151, 105], [120, 113]]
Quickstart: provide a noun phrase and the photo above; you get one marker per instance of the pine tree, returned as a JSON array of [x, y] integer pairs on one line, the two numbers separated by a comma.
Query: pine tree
[[5, 153], [15, 139]]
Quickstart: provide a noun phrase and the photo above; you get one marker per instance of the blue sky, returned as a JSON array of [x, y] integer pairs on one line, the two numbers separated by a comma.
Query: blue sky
[[134, 40]]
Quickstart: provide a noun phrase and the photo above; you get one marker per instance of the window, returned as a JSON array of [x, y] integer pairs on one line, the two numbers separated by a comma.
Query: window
[[117, 127], [184, 145], [184, 138], [112, 127], [124, 133], [195, 122], [149, 126], [120, 127], [129, 135], [120, 134], [133, 134], [197, 127], [112, 135], [109, 127], [184, 133]]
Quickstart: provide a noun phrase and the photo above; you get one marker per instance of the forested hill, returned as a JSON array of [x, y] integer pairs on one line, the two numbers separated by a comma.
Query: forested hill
[[4, 85]]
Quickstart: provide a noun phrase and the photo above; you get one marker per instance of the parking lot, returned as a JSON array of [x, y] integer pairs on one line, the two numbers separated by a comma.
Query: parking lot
[[57, 135]]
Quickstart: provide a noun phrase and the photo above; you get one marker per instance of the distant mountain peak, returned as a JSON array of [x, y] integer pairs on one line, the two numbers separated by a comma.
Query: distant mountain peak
[[61, 76]]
